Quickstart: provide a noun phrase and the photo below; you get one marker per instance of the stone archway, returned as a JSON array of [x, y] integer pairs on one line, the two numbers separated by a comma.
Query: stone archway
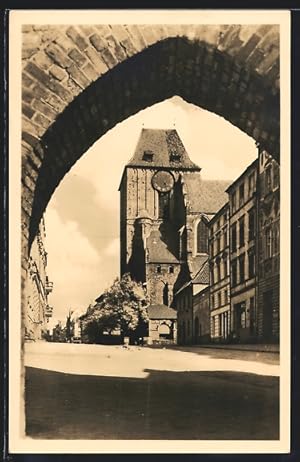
[[79, 82]]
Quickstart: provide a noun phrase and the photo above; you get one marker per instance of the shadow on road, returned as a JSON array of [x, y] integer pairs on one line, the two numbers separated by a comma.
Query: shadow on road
[[218, 353], [165, 405]]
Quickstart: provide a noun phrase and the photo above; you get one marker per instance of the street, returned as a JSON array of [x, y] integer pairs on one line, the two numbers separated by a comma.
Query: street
[[77, 391]]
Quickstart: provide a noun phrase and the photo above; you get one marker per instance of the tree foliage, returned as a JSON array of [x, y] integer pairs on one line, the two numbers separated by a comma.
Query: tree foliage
[[69, 326], [121, 307]]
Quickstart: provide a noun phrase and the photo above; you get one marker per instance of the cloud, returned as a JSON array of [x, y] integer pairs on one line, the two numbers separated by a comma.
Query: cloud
[[78, 271], [113, 249], [76, 201]]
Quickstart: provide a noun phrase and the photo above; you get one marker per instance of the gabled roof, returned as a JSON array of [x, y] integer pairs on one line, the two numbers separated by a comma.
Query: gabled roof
[[252, 166], [161, 312], [196, 263], [219, 213], [206, 196], [202, 277], [165, 145], [158, 251]]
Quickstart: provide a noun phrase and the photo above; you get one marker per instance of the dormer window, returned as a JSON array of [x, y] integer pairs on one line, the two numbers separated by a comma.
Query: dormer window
[[148, 156], [175, 157]]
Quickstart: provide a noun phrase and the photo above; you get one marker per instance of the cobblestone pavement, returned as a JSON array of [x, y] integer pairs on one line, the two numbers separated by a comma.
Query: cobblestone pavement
[[76, 391]]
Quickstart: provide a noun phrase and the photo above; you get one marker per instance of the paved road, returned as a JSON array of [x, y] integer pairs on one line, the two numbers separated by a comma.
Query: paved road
[[110, 392]]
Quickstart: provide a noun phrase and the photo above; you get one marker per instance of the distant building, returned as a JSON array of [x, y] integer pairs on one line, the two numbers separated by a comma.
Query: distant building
[[165, 208], [192, 305], [243, 253], [162, 324], [38, 287], [268, 248], [219, 262]]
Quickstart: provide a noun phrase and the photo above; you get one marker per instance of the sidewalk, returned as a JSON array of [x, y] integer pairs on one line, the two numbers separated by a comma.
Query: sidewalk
[[261, 348]]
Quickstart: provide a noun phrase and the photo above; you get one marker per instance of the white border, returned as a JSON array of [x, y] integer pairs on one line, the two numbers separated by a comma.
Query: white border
[[19, 444]]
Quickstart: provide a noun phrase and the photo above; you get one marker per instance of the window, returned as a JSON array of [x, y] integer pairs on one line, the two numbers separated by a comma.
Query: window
[[233, 237], [212, 302], [218, 270], [175, 157], [158, 269], [276, 238], [242, 267], [219, 299], [234, 272], [241, 194], [164, 205], [242, 231], [202, 237], [251, 218], [233, 201], [148, 156], [240, 315], [225, 267], [268, 178], [218, 241], [220, 325], [225, 238], [252, 316], [268, 242], [226, 295], [251, 184], [251, 264], [171, 269]]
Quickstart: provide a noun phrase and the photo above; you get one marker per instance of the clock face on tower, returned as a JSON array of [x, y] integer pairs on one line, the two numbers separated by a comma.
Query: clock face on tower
[[162, 181]]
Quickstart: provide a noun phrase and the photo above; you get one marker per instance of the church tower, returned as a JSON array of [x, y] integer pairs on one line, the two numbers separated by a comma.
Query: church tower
[[153, 213]]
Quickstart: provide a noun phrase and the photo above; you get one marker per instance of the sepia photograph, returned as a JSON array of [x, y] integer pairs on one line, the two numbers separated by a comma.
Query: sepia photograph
[[149, 231]]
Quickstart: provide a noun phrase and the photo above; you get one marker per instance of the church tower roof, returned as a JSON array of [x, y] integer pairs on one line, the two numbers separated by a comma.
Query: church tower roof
[[157, 148]]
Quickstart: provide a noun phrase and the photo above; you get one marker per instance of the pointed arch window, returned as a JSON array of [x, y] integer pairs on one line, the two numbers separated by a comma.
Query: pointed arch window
[[164, 205], [202, 237]]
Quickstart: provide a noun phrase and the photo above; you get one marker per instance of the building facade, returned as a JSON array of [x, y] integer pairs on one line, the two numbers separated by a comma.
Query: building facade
[[162, 324], [38, 287], [219, 262], [243, 253], [192, 306], [165, 208], [202, 317], [174, 224], [268, 248]]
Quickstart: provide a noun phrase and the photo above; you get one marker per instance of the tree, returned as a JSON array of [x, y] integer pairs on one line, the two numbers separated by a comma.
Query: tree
[[69, 326], [58, 333], [122, 306]]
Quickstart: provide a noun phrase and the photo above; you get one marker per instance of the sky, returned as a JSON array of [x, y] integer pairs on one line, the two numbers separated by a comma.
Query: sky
[[82, 217]]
